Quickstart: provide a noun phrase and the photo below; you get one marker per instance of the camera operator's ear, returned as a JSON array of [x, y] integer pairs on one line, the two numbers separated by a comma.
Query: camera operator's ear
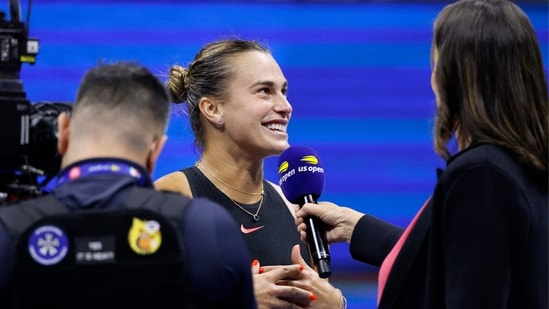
[[154, 153], [63, 130]]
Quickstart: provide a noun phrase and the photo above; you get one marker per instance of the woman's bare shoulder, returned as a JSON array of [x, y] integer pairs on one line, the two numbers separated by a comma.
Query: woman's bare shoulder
[[175, 181]]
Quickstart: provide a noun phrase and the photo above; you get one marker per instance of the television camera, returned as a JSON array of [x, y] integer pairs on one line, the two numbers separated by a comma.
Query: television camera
[[28, 148]]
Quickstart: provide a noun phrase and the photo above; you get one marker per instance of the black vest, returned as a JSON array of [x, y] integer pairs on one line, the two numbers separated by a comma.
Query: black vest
[[272, 243], [129, 256]]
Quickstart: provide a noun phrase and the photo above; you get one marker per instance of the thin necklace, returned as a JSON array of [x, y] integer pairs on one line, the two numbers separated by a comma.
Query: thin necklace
[[262, 193], [254, 216], [226, 184]]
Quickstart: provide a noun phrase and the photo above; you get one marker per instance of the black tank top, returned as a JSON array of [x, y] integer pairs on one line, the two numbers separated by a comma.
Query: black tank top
[[272, 243]]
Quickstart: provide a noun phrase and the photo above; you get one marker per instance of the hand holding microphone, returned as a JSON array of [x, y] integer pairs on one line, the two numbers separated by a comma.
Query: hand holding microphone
[[301, 177], [339, 221]]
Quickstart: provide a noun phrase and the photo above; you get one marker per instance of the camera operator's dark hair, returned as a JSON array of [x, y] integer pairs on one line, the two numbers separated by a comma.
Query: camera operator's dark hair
[[125, 97]]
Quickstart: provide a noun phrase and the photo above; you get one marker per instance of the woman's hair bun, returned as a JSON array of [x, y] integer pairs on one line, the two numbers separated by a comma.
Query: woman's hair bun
[[176, 83]]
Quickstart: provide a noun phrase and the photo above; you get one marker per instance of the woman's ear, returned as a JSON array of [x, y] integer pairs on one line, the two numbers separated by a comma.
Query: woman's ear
[[63, 132], [212, 111]]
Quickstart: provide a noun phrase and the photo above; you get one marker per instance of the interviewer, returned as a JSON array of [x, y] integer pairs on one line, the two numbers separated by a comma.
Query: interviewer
[[481, 239]]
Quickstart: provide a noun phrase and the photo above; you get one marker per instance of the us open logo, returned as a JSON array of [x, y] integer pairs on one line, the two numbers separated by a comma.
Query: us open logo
[[311, 161]]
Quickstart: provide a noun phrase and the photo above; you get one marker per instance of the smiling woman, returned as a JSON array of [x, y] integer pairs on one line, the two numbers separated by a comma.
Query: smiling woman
[[236, 101]]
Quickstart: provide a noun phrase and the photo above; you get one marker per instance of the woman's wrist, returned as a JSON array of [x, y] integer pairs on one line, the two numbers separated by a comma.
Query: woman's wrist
[[352, 218], [342, 300]]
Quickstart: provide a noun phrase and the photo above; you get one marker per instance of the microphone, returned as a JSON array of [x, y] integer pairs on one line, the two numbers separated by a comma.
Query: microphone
[[301, 177]]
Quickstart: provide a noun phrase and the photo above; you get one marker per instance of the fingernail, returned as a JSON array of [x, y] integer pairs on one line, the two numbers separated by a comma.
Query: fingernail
[[261, 270], [255, 262], [312, 297], [301, 267]]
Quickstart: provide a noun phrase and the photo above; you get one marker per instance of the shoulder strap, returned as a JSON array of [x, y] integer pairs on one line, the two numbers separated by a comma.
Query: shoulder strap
[[169, 204], [16, 218], [193, 178]]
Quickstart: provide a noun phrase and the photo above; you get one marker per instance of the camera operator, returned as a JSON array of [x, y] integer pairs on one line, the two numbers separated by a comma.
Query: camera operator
[[110, 144]]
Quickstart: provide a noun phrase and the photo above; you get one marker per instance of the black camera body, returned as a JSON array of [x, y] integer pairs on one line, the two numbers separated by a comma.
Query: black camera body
[[28, 148], [15, 48]]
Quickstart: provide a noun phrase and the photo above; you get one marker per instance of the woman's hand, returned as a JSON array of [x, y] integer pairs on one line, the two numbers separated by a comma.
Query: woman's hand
[[269, 294], [340, 221], [326, 296]]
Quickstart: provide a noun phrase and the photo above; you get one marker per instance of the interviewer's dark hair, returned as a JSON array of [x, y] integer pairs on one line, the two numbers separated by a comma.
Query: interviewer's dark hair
[[490, 80], [206, 76]]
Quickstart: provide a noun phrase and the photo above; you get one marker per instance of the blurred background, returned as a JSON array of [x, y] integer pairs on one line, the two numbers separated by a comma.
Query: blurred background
[[359, 83]]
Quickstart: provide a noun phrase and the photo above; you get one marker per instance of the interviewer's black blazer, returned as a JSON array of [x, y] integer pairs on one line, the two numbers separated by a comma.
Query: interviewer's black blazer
[[481, 242]]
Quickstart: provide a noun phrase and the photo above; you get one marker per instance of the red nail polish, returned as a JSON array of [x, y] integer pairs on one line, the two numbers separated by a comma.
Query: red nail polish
[[255, 262], [261, 270], [312, 297], [301, 267]]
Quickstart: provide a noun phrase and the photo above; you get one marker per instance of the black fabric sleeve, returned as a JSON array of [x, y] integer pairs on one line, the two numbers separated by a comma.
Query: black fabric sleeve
[[373, 239]]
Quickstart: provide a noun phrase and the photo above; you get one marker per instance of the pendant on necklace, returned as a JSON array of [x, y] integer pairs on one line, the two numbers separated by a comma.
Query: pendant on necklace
[[256, 217]]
